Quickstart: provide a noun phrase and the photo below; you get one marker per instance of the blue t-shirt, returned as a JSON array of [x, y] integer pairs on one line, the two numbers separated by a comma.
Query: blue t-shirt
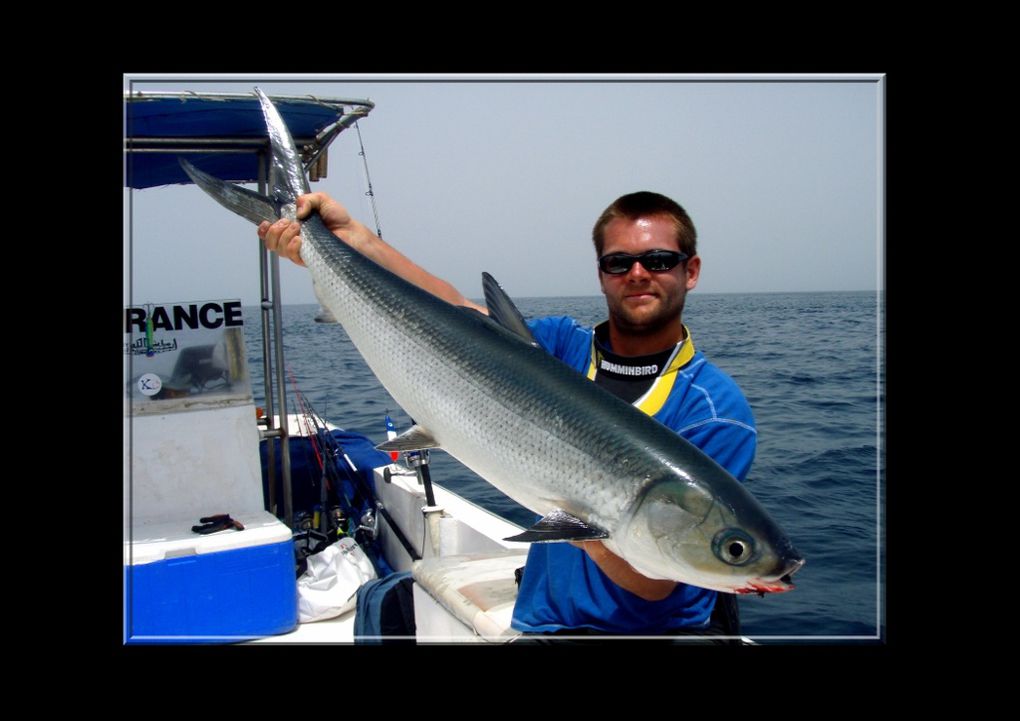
[[562, 588]]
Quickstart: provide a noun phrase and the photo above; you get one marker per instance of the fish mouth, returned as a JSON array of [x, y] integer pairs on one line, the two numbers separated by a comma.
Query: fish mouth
[[762, 587], [782, 584]]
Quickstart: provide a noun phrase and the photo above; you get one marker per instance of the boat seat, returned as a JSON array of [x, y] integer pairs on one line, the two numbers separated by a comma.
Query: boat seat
[[464, 596]]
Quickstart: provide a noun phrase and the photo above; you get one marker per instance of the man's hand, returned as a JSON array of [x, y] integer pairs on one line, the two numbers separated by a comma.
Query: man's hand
[[284, 236]]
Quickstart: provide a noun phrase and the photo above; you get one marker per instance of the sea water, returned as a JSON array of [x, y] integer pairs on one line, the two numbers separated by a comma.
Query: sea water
[[812, 368]]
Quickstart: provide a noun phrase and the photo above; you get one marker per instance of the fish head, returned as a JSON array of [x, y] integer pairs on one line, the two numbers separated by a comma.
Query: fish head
[[683, 531]]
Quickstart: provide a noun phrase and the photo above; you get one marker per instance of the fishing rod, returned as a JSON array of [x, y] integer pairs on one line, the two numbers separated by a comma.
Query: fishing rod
[[363, 496], [330, 446], [368, 179], [320, 519], [318, 528], [317, 433], [324, 444]]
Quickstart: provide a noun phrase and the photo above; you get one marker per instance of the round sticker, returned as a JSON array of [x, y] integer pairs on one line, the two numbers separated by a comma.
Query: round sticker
[[150, 384]]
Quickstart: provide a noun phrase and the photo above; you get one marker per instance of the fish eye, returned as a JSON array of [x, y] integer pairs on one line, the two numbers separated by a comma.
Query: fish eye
[[733, 546]]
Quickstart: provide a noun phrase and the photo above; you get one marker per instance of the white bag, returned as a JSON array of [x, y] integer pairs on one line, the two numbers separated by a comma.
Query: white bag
[[330, 585]]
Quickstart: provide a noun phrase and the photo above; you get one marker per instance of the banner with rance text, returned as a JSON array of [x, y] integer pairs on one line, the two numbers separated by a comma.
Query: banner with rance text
[[182, 356]]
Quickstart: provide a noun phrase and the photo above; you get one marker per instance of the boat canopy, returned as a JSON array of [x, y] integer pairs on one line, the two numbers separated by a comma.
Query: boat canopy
[[224, 134]]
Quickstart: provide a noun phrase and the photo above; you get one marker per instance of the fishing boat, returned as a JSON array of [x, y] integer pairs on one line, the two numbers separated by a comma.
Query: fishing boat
[[219, 547]]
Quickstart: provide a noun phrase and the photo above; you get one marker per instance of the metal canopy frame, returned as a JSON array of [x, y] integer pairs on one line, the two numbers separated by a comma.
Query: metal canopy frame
[[314, 156], [252, 139]]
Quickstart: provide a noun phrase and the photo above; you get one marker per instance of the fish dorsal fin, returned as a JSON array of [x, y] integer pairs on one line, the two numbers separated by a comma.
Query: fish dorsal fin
[[503, 311], [415, 439], [560, 526]]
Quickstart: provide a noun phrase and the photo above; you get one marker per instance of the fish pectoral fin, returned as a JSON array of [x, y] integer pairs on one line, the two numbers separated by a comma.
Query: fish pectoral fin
[[503, 311], [560, 526], [415, 439]]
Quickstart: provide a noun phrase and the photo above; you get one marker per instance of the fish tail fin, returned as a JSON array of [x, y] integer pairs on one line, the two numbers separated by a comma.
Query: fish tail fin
[[246, 203], [287, 178]]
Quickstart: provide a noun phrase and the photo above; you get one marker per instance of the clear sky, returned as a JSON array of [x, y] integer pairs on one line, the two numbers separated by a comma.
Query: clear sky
[[783, 180]]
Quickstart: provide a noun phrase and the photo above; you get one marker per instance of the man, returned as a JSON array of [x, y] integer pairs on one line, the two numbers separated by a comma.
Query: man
[[647, 262]]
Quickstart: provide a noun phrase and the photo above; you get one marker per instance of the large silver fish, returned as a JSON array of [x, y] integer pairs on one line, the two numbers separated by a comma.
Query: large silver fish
[[479, 387]]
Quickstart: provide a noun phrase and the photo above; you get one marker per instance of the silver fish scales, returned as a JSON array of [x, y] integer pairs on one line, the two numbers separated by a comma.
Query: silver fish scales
[[592, 465]]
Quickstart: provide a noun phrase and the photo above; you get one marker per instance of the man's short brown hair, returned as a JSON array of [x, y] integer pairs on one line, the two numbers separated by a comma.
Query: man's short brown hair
[[641, 205]]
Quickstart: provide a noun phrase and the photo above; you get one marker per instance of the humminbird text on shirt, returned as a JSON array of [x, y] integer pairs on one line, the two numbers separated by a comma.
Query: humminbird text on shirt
[[179, 317], [628, 370]]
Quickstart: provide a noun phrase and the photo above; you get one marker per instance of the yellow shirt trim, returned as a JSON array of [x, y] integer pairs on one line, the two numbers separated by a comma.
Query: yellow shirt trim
[[655, 397]]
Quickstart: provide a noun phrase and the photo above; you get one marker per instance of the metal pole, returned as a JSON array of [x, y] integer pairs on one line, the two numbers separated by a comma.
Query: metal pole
[[281, 386], [419, 461], [267, 373]]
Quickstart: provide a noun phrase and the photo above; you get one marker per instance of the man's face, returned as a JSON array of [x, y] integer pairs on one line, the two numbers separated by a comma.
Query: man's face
[[641, 301]]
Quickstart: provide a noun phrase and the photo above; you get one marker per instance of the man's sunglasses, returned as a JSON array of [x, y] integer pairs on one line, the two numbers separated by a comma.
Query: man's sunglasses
[[657, 261]]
